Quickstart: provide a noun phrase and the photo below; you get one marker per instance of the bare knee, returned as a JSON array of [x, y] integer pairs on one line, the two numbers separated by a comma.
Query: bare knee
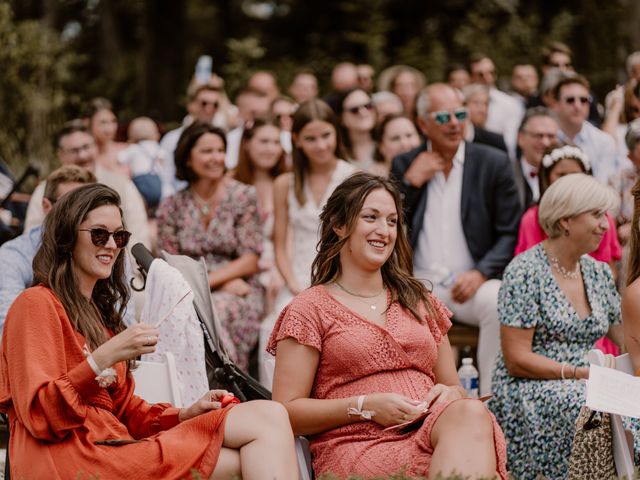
[[468, 415], [271, 414]]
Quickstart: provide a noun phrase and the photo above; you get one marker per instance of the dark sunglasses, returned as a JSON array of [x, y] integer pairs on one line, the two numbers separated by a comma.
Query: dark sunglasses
[[444, 116], [100, 236], [204, 104], [354, 110], [572, 100]]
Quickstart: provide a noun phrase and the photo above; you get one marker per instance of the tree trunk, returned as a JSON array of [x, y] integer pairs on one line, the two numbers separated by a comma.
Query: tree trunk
[[162, 63]]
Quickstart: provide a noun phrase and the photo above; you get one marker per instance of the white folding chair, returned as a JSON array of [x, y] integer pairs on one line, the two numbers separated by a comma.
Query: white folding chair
[[622, 440], [302, 444], [157, 382]]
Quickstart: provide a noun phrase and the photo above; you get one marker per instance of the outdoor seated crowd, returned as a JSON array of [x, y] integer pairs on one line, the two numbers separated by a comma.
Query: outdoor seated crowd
[[342, 235]]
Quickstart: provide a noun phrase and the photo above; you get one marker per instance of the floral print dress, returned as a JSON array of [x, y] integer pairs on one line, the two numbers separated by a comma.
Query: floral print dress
[[234, 230], [538, 416]]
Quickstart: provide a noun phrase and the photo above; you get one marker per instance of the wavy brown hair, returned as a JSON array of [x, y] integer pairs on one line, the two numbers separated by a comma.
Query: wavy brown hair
[[53, 267], [633, 270], [310, 111], [245, 170], [342, 210]]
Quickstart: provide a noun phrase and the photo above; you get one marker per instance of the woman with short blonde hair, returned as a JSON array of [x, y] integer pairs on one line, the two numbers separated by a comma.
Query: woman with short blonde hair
[[580, 194], [555, 301]]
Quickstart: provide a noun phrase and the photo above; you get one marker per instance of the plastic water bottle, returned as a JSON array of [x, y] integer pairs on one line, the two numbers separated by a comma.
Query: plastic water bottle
[[469, 377], [203, 69]]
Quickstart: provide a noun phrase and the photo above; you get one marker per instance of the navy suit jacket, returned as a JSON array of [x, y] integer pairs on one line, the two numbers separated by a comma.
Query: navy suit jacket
[[490, 208]]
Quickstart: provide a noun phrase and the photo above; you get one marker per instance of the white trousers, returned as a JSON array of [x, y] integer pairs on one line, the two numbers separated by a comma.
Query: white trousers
[[481, 311]]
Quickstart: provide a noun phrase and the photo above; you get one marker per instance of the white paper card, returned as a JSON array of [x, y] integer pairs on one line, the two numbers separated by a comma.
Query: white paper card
[[609, 390]]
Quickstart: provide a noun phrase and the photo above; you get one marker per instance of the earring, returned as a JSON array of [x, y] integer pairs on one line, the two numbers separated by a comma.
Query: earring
[[566, 232]]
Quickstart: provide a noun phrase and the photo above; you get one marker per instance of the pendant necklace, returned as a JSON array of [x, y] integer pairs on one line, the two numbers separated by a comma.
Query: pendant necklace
[[362, 298], [203, 205], [564, 273]]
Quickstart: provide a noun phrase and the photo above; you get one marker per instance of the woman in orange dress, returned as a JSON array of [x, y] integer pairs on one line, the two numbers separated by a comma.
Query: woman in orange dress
[[65, 373], [366, 348]]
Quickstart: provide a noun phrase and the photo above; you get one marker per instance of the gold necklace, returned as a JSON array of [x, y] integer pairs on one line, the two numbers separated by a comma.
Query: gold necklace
[[361, 298]]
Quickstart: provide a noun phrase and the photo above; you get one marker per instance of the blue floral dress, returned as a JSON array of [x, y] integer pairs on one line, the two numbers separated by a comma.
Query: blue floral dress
[[538, 416]]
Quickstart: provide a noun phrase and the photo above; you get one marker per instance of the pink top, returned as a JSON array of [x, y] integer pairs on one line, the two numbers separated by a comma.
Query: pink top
[[358, 357], [531, 234]]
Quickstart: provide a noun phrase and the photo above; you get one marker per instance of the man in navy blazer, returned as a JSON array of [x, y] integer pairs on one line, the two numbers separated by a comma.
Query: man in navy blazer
[[463, 210]]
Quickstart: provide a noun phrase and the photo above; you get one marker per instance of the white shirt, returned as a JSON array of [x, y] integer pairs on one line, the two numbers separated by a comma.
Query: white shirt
[[504, 117], [234, 137], [532, 181], [600, 148], [169, 143], [442, 250]]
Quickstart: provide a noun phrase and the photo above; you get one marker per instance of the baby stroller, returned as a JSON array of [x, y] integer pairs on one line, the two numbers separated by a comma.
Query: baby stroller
[[221, 371]]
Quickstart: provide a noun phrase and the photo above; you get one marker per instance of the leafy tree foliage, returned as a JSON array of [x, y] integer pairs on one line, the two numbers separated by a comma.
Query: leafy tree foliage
[[141, 53]]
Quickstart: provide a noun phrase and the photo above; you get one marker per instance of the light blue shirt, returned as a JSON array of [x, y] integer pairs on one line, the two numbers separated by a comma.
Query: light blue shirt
[[600, 148], [16, 261]]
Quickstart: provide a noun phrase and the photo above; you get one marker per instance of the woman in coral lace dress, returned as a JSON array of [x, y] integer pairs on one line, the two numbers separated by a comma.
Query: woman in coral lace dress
[[65, 373], [366, 348]]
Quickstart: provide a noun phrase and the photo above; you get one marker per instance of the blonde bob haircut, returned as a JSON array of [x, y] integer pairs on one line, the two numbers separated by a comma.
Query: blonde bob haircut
[[572, 195]]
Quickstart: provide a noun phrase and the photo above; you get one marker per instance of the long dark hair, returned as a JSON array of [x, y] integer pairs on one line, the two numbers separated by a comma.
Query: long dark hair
[[245, 170], [53, 267], [633, 270], [344, 131], [310, 111], [342, 210]]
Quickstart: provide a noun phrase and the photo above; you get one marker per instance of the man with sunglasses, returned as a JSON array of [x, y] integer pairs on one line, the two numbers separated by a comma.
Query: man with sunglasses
[[203, 104], [463, 211], [76, 146], [571, 102]]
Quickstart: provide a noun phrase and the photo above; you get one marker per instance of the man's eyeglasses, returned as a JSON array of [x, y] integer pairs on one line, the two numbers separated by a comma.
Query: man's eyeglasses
[[541, 136], [78, 150], [582, 100], [204, 104], [444, 116], [100, 236], [354, 110]]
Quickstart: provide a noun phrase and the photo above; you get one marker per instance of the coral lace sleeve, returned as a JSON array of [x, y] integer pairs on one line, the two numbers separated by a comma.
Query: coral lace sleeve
[[441, 324], [299, 320]]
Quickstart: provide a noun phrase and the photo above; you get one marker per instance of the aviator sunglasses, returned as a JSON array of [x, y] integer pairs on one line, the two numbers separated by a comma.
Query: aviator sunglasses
[[444, 116], [100, 236]]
